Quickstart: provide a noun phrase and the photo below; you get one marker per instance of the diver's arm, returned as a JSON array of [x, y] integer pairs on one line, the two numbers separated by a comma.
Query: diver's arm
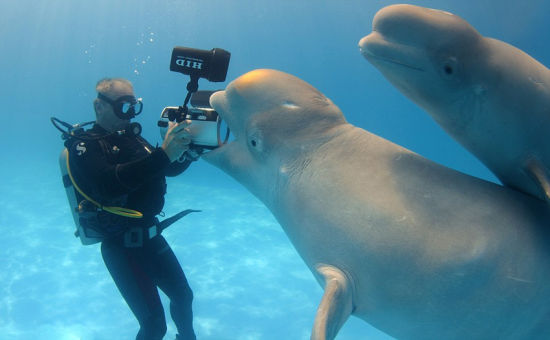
[[176, 146], [161, 161], [112, 180], [177, 167], [133, 174]]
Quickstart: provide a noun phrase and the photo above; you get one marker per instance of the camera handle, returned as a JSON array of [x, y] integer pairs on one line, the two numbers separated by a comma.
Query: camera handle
[[181, 113]]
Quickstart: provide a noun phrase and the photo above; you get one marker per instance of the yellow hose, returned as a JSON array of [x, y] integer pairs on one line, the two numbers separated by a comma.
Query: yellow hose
[[113, 210]]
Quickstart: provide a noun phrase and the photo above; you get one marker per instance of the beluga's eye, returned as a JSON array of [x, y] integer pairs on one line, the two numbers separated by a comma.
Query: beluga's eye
[[449, 67], [255, 140]]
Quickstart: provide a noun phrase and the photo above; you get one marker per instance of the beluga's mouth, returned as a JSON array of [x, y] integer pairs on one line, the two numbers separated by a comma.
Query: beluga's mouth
[[377, 49]]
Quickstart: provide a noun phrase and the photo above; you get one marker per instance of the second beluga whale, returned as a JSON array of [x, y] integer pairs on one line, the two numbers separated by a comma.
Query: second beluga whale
[[491, 97], [416, 249]]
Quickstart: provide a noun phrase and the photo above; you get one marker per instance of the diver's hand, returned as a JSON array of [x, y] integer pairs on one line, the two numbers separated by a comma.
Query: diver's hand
[[177, 139]]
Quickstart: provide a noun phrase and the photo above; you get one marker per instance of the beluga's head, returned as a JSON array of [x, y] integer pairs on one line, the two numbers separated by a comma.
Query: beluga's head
[[277, 120], [432, 56]]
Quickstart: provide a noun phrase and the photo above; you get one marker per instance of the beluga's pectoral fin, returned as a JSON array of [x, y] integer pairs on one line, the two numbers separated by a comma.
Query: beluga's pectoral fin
[[336, 305], [540, 174]]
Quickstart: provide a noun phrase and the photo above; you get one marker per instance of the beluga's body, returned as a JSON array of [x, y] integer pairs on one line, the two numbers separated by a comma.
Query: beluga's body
[[418, 250]]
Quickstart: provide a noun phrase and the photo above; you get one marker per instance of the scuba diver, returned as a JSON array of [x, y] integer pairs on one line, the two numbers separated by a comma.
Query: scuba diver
[[120, 179]]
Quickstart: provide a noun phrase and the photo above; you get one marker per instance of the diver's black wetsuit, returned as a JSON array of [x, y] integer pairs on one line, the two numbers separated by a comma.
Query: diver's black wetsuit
[[125, 170]]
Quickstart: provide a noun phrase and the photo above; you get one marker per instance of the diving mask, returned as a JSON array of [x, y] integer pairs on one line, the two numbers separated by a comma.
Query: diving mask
[[124, 107]]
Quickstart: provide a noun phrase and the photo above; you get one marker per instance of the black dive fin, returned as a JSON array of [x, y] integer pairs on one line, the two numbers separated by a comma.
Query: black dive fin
[[172, 219]]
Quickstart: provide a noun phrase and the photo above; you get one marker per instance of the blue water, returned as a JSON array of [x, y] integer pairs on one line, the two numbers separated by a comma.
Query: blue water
[[248, 280]]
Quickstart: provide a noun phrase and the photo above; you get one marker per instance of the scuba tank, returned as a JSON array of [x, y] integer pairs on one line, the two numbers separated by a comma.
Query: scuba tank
[[87, 235]]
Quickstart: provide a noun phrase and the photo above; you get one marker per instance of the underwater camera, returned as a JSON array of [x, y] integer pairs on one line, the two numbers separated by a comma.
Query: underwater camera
[[206, 129]]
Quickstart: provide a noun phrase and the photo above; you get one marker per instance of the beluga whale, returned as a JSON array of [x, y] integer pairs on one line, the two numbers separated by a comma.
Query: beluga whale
[[491, 97], [417, 250]]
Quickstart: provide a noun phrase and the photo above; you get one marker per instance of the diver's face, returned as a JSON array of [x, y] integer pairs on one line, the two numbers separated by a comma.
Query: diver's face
[[106, 116]]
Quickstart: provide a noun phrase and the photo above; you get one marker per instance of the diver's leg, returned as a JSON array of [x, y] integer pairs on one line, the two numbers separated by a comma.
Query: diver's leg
[[172, 281], [128, 269]]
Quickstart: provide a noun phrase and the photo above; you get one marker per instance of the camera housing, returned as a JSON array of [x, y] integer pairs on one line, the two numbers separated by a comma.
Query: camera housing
[[206, 127]]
